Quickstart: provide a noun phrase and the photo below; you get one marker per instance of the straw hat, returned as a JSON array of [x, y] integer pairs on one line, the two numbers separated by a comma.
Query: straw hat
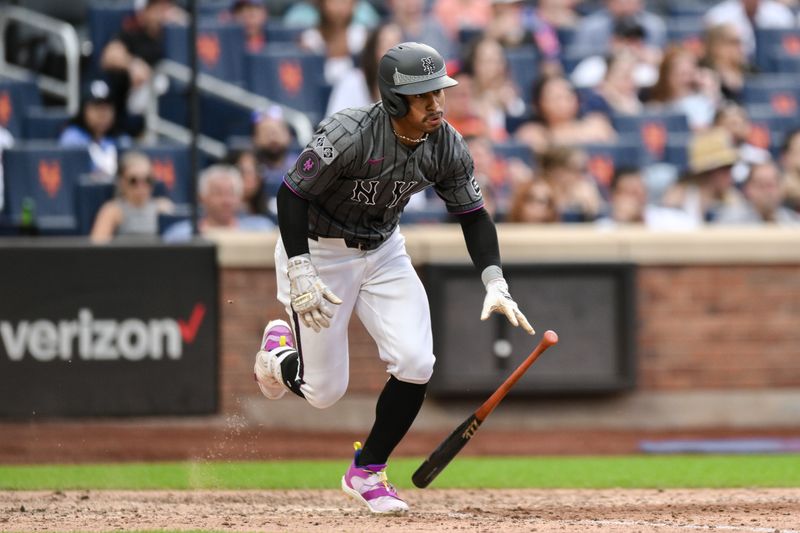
[[710, 150]]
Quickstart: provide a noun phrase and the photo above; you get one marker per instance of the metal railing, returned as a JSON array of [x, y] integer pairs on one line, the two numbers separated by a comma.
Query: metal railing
[[157, 125], [68, 89]]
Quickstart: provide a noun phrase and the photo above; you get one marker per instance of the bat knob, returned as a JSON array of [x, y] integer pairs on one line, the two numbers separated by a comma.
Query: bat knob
[[550, 337]]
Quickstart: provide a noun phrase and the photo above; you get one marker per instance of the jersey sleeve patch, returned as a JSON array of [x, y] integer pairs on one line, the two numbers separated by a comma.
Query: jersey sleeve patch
[[324, 149], [308, 165]]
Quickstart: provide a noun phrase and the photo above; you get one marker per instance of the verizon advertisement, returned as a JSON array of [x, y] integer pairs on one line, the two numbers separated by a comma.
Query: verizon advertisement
[[107, 330]]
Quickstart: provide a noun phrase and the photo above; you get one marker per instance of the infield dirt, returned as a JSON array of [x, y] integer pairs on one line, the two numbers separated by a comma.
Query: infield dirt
[[737, 510]]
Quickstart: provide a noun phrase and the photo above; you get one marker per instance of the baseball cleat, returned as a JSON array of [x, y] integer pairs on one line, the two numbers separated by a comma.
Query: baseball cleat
[[276, 344], [369, 485]]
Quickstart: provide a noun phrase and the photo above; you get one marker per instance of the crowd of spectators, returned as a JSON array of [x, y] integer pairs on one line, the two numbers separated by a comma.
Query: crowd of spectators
[[529, 125]]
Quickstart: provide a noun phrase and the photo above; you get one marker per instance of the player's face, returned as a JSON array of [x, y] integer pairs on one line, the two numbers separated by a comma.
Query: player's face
[[425, 111]]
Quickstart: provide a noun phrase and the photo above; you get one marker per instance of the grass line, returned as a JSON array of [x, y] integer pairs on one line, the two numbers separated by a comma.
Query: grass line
[[673, 471]]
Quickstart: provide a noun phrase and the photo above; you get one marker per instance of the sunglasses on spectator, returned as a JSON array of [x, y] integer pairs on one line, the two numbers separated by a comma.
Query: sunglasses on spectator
[[136, 180]]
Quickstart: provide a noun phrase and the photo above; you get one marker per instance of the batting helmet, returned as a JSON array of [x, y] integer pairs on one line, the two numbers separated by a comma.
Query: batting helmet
[[410, 68]]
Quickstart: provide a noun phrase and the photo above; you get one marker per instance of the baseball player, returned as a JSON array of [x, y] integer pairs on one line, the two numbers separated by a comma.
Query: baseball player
[[340, 251]]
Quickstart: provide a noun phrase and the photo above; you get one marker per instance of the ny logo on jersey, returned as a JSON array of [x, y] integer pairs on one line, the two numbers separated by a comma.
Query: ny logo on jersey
[[427, 65], [366, 192]]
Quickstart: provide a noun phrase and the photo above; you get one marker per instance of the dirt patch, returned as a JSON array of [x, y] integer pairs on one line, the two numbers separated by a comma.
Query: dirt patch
[[756, 511]]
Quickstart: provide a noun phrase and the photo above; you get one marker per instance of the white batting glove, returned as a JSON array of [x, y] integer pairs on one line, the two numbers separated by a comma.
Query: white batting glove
[[309, 294], [498, 299]]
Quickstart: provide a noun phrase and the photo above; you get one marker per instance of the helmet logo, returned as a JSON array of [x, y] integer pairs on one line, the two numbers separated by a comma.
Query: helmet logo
[[427, 65]]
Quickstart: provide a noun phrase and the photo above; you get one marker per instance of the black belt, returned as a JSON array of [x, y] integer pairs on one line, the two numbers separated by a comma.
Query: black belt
[[364, 246]]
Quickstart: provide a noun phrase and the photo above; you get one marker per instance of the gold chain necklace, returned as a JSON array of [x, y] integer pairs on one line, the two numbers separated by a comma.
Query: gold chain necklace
[[409, 139]]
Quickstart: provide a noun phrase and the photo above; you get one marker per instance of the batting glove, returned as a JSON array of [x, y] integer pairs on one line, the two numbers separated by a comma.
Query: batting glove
[[309, 294], [498, 299]]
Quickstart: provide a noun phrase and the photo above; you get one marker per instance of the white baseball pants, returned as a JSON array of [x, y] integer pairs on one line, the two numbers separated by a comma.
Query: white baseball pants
[[383, 288]]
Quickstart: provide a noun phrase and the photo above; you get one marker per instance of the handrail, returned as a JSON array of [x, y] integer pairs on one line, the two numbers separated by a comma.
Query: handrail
[[229, 92], [67, 89]]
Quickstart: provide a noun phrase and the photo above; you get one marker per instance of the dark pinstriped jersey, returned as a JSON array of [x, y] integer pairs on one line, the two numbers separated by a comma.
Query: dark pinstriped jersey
[[358, 177]]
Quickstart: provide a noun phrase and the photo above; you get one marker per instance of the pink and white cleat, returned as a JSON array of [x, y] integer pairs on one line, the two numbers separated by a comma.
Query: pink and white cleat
[[276, 344], [369, 485]]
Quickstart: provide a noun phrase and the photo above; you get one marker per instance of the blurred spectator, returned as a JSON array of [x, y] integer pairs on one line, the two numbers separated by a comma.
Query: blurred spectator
[[577, 197], [708, 187], [359, 86], [337, 36], [628, 37], [501, 175], [272, 140], [417, 26], [747, 15], [593, 33], [252, 16], [495, 92], [557, 14], [134, 212], [617, 93], [765, 195], [6, 141], [725, 55], [457, 15], [461, 107], [219, 190], [92, 127], [533, 202], [733, 117], [306, 14], [685, 87], [790, 160], [254, 194], [128, 59], [628, 205], [558, 120]]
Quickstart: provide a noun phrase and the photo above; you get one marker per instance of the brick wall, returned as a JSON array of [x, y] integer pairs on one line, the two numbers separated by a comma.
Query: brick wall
[[699, 327]]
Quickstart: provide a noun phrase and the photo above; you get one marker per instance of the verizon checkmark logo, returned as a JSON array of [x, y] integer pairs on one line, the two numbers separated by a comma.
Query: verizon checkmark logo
[[376, 160], [88, 337], [189, 328]]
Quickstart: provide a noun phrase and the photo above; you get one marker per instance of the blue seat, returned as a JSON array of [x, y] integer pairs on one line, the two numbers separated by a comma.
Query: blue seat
[[45, 123], [523, 67], [220, 48], [89, 198], [606, 158], [16, 97], [652, 129], [769, 127], [278, 33], [676, 152], [291, 77], [686, 31], [47, 175], [775, 45], [104, 20], [171, 169], [685, 8], [513, 149], [780, 92]]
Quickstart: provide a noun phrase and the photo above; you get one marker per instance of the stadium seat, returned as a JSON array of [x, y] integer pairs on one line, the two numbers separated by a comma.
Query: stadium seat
[[685, 8], [686, 31], [780, 92], [769, 127], [220, 48], [523, 67], [290, 77], [606, 158], [775, 45], [171, 168], [512, 149], [89, 198], [278, 33], [16, 98], [652, 130], [47, 175], [45, 122]]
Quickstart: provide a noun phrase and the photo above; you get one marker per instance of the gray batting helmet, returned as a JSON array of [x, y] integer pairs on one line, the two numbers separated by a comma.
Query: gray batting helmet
[[410, 68]]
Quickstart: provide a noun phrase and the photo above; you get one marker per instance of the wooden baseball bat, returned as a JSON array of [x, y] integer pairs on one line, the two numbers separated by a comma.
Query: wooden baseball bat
[[450, 446]]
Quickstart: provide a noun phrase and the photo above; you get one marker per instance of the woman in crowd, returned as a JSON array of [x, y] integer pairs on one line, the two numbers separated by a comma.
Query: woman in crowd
[[134, 212], [533, 202], [685, 87], [92, 127], [558, 120], [577, 197], [495, 92], [725, 55], [618, 92]]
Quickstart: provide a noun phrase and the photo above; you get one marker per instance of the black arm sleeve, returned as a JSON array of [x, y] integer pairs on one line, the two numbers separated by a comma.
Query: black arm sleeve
[[481, 238], [293, 221]]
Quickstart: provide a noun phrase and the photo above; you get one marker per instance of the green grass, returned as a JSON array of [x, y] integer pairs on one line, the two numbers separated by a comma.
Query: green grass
[[467, 472]]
